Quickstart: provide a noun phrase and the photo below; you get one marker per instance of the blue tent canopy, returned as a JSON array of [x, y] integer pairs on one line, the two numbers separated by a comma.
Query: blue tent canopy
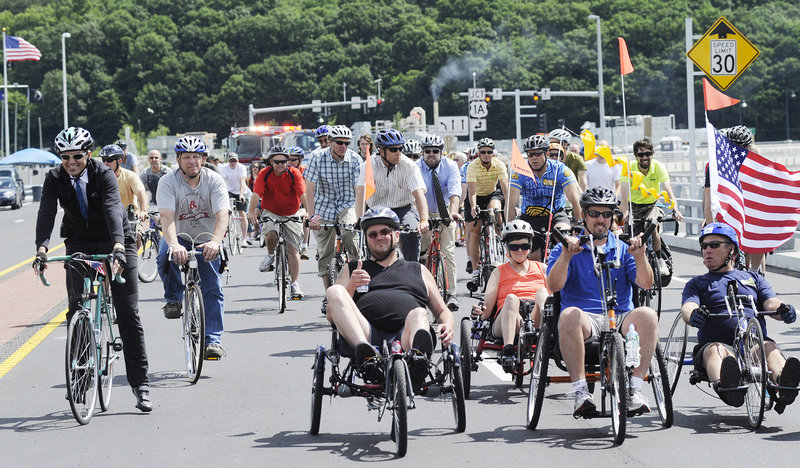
[[30, 157]]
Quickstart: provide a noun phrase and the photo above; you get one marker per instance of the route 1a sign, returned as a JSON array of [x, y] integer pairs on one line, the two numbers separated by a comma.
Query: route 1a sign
[[453, 125], [478, 109], [723, 53]]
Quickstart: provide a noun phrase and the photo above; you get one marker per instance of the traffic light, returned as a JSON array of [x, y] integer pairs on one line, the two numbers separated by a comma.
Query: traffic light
[[487, 98], [562, 123], [536, 97], [380, 105], [543, 122]]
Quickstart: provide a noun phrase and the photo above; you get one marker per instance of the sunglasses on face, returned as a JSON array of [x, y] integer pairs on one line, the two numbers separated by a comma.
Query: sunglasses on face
[[644, 154], [714, 244], [108, 160], [432, 151], [487, 152], [595, 214], [516, 247], [394, 149], [342, 142], [280, 161], [382, 233], [77, 157], [535, 153], [294, 159]]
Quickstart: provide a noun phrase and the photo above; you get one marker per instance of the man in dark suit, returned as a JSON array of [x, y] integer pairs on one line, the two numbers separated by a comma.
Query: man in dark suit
[[95, 223]]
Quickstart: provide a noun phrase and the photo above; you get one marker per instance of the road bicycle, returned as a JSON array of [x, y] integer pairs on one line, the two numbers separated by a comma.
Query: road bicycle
[[92, 349], [491, 248], [281, 264], [653, 297], [435, 258], [147, 242], [234, 234], [339, 253]]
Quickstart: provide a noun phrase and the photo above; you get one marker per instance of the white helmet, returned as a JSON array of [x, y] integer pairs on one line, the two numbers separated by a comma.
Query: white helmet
[[340, 131], [560, 134], [517, 227], [73, 139]]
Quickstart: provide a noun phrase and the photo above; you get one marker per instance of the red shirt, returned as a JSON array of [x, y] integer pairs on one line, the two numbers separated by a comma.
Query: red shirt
[[280, 194]]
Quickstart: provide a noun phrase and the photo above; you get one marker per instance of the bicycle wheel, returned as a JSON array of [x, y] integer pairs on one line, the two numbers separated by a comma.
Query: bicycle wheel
[[237, 237], [331, 273], [538, 381], [108, 357], [617, 386], [440, 275], [281, 276], [655, 290], [317, 383], [674, 351], [148, 269], [753, 362], [194, 332], [658, 379], [81, 367], [466, 354], [458, 398], [399, 406]]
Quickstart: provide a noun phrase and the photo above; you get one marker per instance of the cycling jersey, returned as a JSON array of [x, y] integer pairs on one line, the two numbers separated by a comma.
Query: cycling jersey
[[486, 179], [652, 180], [536, 193]]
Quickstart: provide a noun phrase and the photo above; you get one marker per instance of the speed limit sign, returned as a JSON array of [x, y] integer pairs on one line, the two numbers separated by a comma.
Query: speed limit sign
[[723, 57], [723, 53]]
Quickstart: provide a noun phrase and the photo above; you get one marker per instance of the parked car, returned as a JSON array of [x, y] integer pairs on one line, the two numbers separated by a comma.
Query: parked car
[[14, 174], [10, 193]]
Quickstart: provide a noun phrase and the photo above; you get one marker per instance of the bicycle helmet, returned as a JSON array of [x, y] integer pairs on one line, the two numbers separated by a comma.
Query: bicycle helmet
[[740, 135], [485, 142], [190, 144], [380, 215], [389, 137], [112, 151], [275, 150], [536, 142], [556, 146], [340, 131], [122, 144], [433, 141], [73, 139], [322, 130], [412, 147], [296, 151], [517, 228], [721, 229], [598, 196], [560, 134]]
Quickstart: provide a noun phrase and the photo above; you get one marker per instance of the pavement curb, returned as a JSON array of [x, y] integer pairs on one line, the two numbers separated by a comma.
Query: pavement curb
[[785, 260]]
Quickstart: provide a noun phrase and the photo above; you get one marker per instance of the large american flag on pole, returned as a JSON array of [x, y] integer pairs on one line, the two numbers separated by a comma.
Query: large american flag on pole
[[760, 199], [18, 49]]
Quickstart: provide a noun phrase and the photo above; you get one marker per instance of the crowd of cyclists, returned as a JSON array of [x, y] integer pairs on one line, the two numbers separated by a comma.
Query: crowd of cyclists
[[385, 194]]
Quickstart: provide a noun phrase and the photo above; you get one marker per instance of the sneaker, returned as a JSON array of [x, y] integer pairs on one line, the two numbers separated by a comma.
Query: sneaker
[[266, 264], [584, 404], [297, 293], [368, 362], [453, 303], [142, 393], [663, 269], [421, 350], [172, 310], [637, 403], [508, 358], [469, 266], [304, 253], [214, 352], [730, 377], [790, 377], [474, 281]]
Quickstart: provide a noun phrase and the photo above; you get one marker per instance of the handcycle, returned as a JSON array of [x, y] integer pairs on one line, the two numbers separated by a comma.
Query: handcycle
[[605, 361], [748, 348], [147, 242], [193, 319], [652, 297], [234, 233], [388, 386], [491, 247], [92, 348], [435, 258], [281, 265]]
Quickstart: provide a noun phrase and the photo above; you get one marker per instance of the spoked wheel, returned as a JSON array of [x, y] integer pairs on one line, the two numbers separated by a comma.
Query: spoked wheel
[[753, 362], [457, 395], [108, 357], [237, 238], [316, 389], [538, 381], [194, 332], [658, 379], [81, 367], [399, 405], [281, 276], [617, 386], [655, 290], [466, 354], [148, 269], [441, 276], [674, 351]]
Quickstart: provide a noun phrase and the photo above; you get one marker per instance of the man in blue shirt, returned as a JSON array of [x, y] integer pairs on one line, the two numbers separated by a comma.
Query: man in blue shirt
[[570, 269]]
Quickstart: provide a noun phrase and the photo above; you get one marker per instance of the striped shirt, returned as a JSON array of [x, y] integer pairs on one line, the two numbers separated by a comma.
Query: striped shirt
[[486, 178], [393, 188], [335, 182]]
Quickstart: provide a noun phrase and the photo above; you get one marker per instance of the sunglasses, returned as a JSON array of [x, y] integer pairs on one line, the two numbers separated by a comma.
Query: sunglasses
[[535, 153], [108, 159], [294, 159], [644, 154], [487, 152], [595, 214], [516, 247], [432, 151], [382, 233], [342, 142], [553, 154], [714, 245], [281, 161], [413, 156], [394, 149], [76, 157]]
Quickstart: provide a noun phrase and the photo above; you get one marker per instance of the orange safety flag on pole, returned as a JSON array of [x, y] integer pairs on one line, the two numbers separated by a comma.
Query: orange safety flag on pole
[[518, 163], [369, 179], [715, 99], [625, 65]]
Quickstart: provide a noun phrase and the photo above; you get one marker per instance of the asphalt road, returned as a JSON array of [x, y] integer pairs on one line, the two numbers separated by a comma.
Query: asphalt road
[[252, 407]]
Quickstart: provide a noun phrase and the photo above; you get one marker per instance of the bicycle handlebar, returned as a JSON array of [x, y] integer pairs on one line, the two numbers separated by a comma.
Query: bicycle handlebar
[[290, 219], [79, 256]]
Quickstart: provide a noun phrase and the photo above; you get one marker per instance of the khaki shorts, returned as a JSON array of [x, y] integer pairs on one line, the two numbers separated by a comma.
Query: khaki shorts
[[293, 231], [597, 321]]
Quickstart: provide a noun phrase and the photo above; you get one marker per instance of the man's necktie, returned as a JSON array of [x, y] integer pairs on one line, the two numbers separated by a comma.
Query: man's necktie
[[81, 201], [437, 190]]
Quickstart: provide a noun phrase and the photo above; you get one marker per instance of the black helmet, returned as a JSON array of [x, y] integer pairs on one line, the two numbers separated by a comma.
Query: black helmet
[[112, 152], [740, 135], [598, 196]]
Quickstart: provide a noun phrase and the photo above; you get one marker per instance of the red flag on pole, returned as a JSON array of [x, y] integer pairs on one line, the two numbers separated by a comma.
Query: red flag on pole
[[715, 99], [369, 179], [519, 164], [625, 65]]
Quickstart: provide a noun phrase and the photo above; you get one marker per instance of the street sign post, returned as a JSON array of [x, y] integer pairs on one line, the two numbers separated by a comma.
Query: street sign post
[[478, 109], [452, 125], [478, 125], [497, 94], [372, 101], [723, 53], [476, 94]]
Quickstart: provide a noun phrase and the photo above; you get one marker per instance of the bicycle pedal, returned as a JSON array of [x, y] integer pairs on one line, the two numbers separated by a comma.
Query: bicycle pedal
[[212, 358]]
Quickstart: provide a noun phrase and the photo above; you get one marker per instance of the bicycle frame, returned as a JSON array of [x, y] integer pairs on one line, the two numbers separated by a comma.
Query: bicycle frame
[[435, 257]]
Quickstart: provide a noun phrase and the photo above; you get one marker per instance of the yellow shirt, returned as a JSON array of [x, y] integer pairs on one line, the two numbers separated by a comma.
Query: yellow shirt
[[486, 179], [129, 185], [657, 175]]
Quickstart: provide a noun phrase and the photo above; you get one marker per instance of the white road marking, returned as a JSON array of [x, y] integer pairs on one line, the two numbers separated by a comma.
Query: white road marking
[[19, 220], [496, 369]]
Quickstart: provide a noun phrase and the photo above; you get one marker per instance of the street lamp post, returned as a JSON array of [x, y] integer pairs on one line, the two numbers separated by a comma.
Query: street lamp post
[[741, 106], [379, 87], [788, 94], [64, 37], [600, 77]]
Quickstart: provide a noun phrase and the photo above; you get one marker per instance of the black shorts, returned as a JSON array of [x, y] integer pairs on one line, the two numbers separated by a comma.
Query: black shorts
[[540, 224], [238, 205], [483, 202], [645, 212]]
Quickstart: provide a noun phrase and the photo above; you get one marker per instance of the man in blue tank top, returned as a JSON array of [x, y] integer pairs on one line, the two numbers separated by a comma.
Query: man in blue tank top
[[385, 298]]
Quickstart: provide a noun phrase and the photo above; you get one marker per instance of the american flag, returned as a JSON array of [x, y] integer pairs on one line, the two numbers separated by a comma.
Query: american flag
[[760, 199], [18, 49]]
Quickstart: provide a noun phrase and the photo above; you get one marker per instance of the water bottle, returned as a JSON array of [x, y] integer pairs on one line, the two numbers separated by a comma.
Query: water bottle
[[632, 356], [397, 348], [363, 288]]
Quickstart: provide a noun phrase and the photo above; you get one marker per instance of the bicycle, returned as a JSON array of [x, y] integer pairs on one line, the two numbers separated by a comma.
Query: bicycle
[[92, 348], [339, 253], [652, 297], [147, 241], [491, 248], [281, 265], [435, 258], [234, 233]]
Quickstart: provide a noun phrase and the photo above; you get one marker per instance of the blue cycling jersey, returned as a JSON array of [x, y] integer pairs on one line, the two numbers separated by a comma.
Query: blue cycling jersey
[[536, 193]]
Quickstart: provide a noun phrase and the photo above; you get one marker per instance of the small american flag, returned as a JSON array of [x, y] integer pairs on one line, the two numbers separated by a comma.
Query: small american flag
[[18, 49], [760, 199]]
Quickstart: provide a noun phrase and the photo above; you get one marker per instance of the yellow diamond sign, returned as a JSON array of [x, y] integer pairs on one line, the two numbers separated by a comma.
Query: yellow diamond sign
[[723, 53]]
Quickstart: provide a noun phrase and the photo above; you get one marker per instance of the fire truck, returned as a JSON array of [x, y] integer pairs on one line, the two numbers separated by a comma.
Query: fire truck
[[253, 142]]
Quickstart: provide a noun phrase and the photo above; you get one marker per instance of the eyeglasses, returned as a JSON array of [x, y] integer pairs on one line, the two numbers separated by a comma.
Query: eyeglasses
[[394, 149], [294, 159], [382, 233], [487, 152], [76, 157], [595, 214], [535, 153], [432, 151], [342, 142], [281, 161], [714, 244], [153, 159], [108, 159], [413, 156], [644, 154], [553, 154], [516, 247]]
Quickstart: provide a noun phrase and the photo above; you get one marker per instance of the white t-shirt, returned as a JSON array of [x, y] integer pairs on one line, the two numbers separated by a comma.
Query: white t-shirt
[[233, 176], [601, 175], [194, 207]]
